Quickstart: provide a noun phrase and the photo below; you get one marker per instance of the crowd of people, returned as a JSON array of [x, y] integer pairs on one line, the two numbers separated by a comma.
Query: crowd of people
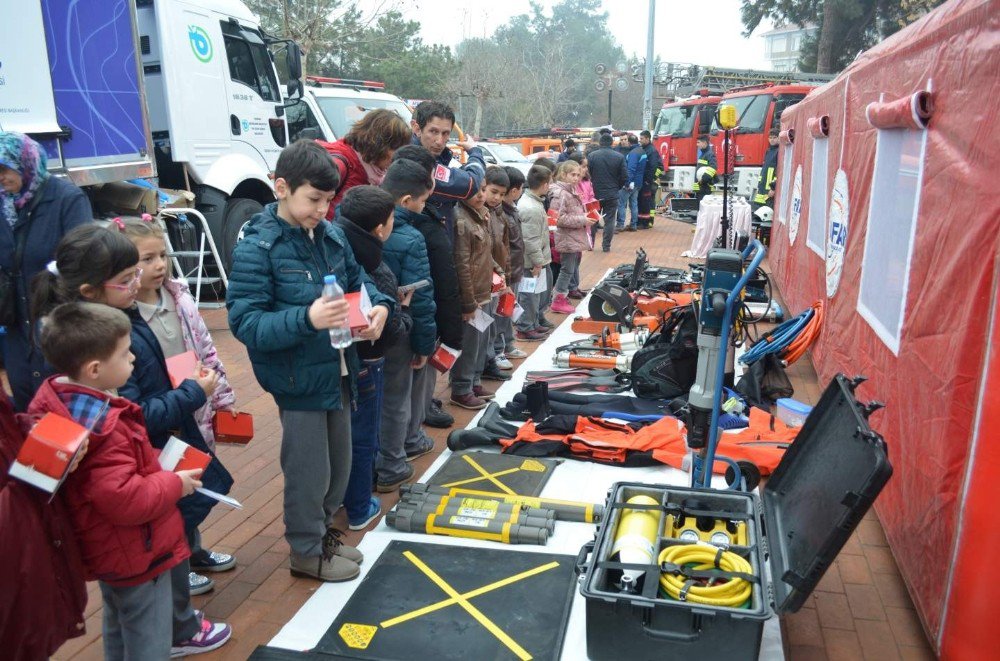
[[93, 315]]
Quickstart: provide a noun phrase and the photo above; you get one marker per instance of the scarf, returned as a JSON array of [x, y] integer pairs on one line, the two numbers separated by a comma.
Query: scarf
[[26, 157], [375, 173]]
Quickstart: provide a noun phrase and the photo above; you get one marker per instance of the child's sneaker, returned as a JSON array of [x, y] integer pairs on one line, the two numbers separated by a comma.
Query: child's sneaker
[[199, 584], [515, 353], [425, 445], [374, 509], [211, 636], [502, 363], [561, 305], [212, 561], [493, 372]]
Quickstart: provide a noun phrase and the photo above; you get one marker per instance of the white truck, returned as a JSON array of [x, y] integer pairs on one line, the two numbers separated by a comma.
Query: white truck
[[123, 89], [331, 105]]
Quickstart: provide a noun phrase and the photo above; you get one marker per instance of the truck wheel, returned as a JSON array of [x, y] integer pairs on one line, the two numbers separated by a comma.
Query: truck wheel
[[238, 212]]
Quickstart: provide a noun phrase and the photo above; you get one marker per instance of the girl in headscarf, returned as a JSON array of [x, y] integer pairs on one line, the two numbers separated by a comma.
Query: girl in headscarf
[[36, 210]]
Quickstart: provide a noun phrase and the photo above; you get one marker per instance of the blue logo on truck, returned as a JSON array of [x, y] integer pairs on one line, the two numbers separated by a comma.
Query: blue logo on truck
[[201, 45]]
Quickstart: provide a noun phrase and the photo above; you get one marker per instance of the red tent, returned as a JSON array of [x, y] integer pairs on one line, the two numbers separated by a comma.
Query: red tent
[[899, 234]]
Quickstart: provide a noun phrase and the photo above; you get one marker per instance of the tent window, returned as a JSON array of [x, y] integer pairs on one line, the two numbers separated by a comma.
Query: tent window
[[892, 225], [786, 181], [816, 235]]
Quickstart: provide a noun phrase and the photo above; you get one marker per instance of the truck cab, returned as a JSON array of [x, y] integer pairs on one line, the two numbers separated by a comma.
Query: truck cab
[[330, 106], [674, 135], [758, 109]]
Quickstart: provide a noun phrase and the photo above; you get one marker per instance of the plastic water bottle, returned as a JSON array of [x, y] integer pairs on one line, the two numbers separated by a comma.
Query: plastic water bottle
[[340, 337]]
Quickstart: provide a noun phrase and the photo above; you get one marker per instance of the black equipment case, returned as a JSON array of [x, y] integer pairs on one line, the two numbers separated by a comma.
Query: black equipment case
[[817, 495]]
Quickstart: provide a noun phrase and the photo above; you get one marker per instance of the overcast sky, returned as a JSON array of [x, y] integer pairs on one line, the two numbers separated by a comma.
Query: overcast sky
[[696, 31]]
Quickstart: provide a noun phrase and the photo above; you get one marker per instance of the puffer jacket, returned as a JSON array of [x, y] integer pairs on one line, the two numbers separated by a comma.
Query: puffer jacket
[[473, 256], [447, 300], [171, 411], [198, 339], [405, 253], [500, 236], [534, 230], [516, 241], [572, 229], [277, 274], [122, 504]]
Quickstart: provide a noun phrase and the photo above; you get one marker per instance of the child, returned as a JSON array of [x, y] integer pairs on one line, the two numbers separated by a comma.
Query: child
[[572, 229], [585, 189], [406, 255], [122, 504], [366, 218], [277, 310], [447, 304], [495, 186], [537, 256], [475, 266], [101, 266], [504, 342], [546, 301]]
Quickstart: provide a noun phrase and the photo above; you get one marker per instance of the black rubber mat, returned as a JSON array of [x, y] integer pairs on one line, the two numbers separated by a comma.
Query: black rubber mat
[[484, 604], [486, 471]]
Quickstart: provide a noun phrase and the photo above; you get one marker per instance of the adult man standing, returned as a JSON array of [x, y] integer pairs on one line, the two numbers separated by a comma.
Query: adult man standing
[[432, 123], [705, 173], [653, 163], [608, 175], [569, 148], [635, 163], [768, 174]]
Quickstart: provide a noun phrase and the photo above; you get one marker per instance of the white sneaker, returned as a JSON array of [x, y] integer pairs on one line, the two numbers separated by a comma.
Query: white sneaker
[[503, 363], [516, 353]]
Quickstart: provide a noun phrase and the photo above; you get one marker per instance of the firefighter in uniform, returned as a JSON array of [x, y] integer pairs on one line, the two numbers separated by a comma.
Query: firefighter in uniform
[[705, 171], [768, 174]]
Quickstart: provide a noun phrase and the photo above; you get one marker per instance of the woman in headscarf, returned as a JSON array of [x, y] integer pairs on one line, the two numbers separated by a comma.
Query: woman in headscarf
[[36, 210]]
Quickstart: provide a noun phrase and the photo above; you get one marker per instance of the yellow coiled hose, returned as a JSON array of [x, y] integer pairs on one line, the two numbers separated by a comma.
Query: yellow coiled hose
[[733, 592]]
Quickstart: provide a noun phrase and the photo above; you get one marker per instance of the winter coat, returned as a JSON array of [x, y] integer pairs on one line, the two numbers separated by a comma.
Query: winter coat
[[585, 189], [41, 570], [122, 504], [653, 163], [516, 242], [500, 237], [636, 165], [368, 251], [277, 274], [170, 411], [352, 172], [405, 253], [451, 185], [474, 256], [447, 300], [608, 173], [534, 230], [572, 228], [198, 339], [57, 207]]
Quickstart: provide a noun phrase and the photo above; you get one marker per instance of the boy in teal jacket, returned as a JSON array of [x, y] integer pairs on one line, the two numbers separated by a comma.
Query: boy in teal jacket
[[276, 310]]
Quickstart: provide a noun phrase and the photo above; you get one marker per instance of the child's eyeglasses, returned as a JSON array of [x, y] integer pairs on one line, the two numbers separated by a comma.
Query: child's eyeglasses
[[132, 286]]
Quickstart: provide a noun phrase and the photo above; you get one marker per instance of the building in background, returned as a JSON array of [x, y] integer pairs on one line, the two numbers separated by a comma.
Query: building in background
[[783, 44]]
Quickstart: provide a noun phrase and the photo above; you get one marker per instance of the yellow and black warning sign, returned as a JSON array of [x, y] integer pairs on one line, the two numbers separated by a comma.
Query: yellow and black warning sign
[[496, 473]]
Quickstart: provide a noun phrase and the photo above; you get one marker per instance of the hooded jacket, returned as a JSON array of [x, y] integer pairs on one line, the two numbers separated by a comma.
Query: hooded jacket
[[572, 229], [447, 299], [534, 230], [277, 274], [122, 504], [405, 253], [474, 256]]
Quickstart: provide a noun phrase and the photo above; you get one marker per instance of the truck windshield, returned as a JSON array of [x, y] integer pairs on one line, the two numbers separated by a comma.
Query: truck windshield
[[677, 122], [341, 113], [751, 111]]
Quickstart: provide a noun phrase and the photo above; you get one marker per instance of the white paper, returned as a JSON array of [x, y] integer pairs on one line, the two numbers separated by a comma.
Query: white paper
[[541, 283], [528, 285], [481, 321], [518, 311], [232, 502]]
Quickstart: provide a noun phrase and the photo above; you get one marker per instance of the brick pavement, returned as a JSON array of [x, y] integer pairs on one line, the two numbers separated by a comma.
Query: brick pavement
[[861, 609]]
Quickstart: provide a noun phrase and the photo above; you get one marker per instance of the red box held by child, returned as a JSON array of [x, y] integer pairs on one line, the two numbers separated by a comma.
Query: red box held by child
[[232, 427], [48, 452]]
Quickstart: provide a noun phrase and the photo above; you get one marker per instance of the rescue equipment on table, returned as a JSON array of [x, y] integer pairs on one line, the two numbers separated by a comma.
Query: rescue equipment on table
[[690, 572], [598, 380], [564, 510], [790, 339], [579, 356], [635, 539]]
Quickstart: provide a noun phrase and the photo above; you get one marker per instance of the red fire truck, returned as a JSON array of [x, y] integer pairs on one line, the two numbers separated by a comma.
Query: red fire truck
[[677, 129]]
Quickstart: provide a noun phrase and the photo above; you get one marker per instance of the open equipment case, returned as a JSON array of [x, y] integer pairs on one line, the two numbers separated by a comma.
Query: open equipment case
[[817, 495]]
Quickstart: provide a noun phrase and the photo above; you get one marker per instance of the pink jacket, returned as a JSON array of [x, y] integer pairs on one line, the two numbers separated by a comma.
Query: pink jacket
[[585, 189], [572, 229], [198, 339]]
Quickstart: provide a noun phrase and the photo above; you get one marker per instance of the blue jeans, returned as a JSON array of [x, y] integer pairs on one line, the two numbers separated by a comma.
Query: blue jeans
[[628, 198], [365, 424]]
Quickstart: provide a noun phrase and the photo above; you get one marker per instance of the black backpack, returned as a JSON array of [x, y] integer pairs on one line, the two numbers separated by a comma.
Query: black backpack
[[665, 367]]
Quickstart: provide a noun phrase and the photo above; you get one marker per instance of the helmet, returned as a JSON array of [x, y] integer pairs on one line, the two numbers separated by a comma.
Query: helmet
[[701, 172], [764, 214]]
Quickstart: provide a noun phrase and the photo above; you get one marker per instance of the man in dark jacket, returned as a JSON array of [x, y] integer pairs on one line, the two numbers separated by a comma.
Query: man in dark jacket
[[608, 175], [569, 148], [635, 163], [432, 124], [653, 163], [764, 196], [705, 173]]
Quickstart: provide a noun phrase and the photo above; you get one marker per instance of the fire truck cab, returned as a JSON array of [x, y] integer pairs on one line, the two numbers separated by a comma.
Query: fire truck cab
[[674, 135]]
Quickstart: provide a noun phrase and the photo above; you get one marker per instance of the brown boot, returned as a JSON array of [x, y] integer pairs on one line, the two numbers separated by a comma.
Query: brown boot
[[329, 568]]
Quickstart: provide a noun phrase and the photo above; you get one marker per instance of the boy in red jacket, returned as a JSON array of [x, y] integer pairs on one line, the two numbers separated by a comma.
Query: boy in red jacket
[[123, 506]]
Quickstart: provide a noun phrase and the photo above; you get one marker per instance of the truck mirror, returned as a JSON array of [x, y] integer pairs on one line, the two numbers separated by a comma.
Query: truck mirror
[[294, 89], [294, 61]]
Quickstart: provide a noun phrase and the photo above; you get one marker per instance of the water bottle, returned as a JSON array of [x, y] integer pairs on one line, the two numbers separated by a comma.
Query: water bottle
[[340, 337]]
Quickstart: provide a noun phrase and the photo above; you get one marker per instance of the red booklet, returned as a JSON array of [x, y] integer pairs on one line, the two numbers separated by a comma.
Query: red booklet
[[181, 367]]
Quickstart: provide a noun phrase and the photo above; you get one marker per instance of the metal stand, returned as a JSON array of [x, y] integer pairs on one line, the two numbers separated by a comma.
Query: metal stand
[[198, 272]]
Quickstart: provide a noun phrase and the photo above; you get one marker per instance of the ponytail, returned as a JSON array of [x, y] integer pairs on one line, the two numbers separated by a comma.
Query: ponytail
[[86, 255]]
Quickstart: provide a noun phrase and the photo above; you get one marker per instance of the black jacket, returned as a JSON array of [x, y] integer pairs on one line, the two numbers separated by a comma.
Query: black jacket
[[448, 315], [368, 251], [653, 163], [608, 173]]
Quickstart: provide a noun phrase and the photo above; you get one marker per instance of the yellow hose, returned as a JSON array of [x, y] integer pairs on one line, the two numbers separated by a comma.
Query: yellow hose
[[700, 557]]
